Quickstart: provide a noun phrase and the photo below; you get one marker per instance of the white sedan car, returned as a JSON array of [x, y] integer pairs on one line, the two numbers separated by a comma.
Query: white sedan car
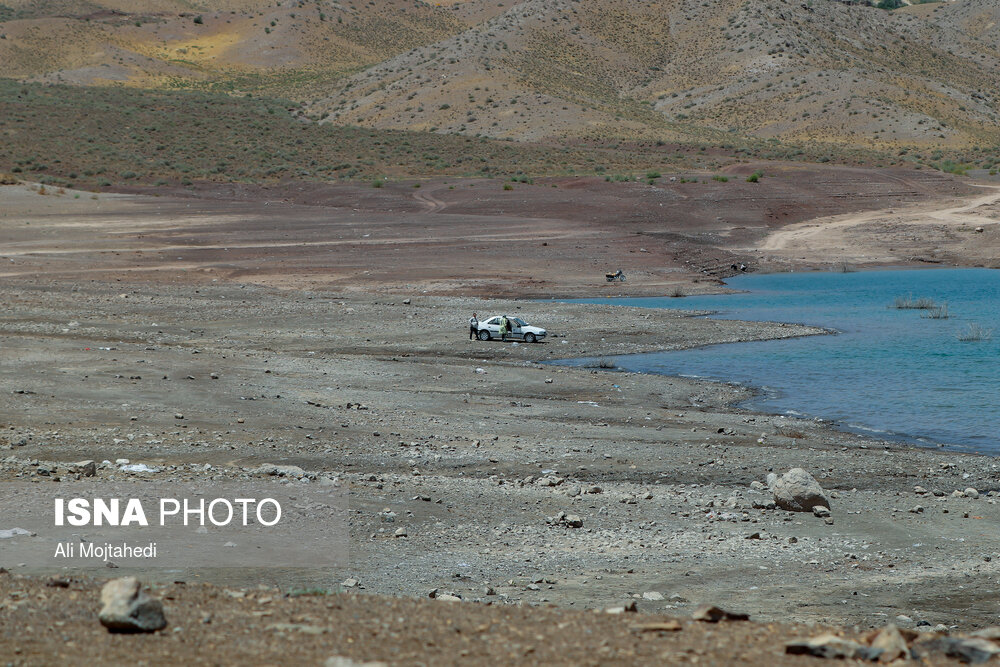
[[519, 330]]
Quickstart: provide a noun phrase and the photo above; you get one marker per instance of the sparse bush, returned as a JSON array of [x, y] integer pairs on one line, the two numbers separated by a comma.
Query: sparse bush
[[936, 313], [720, 178], [909, 303], [754, 177], [677, 293], [975, 333], [199, 20], [508, 186], [377, 183]]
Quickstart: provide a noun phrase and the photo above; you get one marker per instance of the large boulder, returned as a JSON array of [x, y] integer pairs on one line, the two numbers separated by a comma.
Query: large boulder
[[798, 491], [127, 608]]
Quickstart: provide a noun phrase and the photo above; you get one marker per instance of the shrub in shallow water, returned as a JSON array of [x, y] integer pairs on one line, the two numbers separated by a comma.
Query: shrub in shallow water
[[936, 313], [909, 303], [975, 333]]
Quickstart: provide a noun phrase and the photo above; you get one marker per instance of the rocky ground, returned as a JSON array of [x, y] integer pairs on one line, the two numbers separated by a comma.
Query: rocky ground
[[473, 470]]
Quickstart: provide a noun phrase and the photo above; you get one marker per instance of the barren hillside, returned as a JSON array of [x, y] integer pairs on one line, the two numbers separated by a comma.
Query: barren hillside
[[820, 71], [813, 73]]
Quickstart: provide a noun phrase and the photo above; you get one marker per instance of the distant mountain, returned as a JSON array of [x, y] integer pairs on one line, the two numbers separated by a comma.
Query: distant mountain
[[806, 71]]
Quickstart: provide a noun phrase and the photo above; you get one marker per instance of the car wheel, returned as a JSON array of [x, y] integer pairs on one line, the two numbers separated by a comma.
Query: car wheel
[[484, 334], [529, 338]]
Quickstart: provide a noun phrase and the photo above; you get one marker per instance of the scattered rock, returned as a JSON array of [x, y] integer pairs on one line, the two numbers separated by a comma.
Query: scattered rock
[[973, 650], [629, 608], [280, 470], [971, 493], [992, 633], [653, 596], [798, 491], [820, 511], [86, 468], [666, 626], [566, 520], [341, 661], [8, 533], [891, 644], [711, 614], [831, 646], [127, 608]]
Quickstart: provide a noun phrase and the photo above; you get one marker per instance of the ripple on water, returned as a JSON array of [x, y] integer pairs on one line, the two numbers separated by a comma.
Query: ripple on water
[[888, 371]]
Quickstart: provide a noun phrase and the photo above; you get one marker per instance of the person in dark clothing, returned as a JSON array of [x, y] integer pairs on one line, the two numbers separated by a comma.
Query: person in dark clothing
[[473, 326]]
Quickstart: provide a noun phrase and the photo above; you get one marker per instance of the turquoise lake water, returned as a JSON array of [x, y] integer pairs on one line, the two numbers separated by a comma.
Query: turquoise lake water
[[889, 372]]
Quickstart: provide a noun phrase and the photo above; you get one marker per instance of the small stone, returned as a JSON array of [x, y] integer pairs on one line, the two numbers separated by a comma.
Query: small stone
[[972, 650], [653, 596], [406, 302], [400, 532], [341, 661], [573, 521], [349, 583], [666, 626], [831, 646], [757, 486], [711, 614], [127, 608], [629, 608], [971, 493], [85, 468], [821, 511], [178, 415], [920, 491], [917, 510], [992, 633], [891, 644]]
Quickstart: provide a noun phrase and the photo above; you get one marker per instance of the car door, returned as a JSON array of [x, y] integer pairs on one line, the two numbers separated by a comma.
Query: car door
[[516, 327], [492, 325]]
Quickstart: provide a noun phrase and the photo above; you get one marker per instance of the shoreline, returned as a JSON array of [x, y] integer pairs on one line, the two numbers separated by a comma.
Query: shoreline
[[370, 383]]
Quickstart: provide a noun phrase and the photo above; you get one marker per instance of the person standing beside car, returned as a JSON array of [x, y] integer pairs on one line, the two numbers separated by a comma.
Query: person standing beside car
[[473, 326], [503, 328]]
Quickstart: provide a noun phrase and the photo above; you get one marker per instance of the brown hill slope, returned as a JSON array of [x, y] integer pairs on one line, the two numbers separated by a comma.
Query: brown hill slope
[[292, 49], [820, 71]]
